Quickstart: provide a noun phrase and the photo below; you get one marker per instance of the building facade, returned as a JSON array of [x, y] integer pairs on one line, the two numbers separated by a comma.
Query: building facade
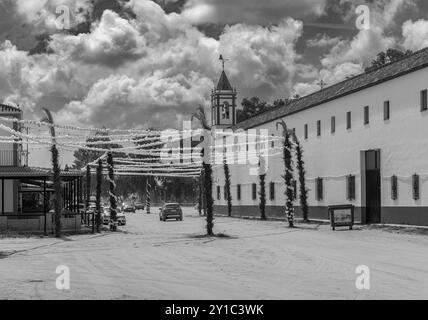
[[365, 143]]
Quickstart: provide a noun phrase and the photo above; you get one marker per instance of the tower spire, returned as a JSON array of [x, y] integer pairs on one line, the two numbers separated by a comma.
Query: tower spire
[[223, 60]]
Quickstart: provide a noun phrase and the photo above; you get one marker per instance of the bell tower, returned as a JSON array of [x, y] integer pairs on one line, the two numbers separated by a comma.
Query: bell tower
[[223, 102]]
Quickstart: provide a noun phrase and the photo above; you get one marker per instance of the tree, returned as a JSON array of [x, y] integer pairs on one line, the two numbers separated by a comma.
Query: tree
[[84, 156], [56, 173], [288, 175], [227, 187], [251, 107], [303, 191], [390, 55], [207, 169]]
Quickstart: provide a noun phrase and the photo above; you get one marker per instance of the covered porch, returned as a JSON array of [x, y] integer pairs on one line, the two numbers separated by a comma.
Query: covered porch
[[27, 200]]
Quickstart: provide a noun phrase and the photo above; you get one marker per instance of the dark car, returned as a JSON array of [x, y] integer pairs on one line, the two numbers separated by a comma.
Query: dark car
[[128, 208], [139, 206], [171, 211]]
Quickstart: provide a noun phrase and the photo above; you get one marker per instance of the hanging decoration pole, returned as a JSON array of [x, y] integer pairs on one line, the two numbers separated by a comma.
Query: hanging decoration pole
[[148, 195], [98, 195], [56, 173], [207, 169], [112, 191], [303, 196], [288, 175]]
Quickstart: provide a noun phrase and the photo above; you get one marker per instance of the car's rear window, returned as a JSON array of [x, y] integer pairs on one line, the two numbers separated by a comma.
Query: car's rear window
[[172, 206]]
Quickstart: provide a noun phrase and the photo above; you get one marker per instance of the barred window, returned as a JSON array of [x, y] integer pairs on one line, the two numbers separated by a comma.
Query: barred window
[[319, 128], [366, 115], [306, 131], [386, 110], [333, 124], [238, 192], [415, 183], [218, 193], [394, 187], [350, 187], [319, 189], [348, 120], [254, 191], [272, 191], [424, 100]]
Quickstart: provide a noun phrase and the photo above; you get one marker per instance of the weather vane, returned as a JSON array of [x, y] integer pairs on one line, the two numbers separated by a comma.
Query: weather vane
[[223, 60]]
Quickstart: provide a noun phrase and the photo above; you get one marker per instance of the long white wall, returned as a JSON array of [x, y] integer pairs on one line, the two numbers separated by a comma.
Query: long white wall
[[403, 141]]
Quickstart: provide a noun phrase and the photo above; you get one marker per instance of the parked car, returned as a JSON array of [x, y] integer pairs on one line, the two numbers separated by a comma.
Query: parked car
[[120, 217], [128, 208], [170, 211], [139, 206]]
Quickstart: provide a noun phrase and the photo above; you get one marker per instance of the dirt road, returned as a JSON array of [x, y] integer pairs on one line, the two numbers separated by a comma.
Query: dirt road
[[150, 259]]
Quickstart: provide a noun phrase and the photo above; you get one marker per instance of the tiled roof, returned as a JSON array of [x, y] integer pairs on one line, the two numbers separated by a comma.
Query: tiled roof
[[32, 172], [223, 83], [7, 108], [414, 62]]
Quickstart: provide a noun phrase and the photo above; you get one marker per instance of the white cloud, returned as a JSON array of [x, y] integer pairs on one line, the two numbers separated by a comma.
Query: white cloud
[[262, 60], [250, 11], [415, 34]]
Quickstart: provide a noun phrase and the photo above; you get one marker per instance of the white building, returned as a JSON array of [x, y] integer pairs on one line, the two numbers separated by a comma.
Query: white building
[[365, 138]]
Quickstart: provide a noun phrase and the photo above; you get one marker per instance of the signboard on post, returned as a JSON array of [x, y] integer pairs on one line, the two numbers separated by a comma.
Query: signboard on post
[[341, 216]]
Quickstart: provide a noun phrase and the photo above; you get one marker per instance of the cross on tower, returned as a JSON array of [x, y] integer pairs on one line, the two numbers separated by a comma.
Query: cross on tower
[[322, 84], [223, 61]]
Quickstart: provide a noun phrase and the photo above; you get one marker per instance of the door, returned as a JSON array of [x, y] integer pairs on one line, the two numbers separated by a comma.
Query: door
[[373, 194]]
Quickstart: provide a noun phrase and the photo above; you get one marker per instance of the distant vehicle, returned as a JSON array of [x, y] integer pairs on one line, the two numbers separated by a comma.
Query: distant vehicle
[[120, 217], [171, 211], [128, 208], [139, 206]]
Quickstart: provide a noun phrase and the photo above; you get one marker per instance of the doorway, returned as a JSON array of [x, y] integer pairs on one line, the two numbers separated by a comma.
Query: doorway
[[373, 185]]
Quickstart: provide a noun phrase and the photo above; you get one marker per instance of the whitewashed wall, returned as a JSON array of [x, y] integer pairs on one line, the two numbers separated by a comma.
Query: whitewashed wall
[[403, 141]]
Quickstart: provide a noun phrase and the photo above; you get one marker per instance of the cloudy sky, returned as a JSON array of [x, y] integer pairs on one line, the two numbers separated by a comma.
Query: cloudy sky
[[141, 63]]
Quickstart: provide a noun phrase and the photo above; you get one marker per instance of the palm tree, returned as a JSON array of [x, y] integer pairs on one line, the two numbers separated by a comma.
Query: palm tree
[[288, 175], [207, 169], [56, 173], [303, 197]]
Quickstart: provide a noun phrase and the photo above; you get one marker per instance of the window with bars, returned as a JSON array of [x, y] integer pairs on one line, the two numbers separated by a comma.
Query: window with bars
[[333, 124], [424, 100], [366, 115], [218, 193], [348, 120], [415, 184], [306, 131], [319, 189], [272, 191], [254, 191], [394, 187], [319, 128], [350, 187], [238, 192], [386, 110]]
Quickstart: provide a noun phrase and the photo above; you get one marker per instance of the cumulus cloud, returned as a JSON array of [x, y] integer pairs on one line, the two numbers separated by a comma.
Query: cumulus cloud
[[262, 60], [250, 11], [415, 34]]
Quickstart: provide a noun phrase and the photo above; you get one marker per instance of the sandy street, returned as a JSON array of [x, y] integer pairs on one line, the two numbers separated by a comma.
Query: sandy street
[[150, 259]]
